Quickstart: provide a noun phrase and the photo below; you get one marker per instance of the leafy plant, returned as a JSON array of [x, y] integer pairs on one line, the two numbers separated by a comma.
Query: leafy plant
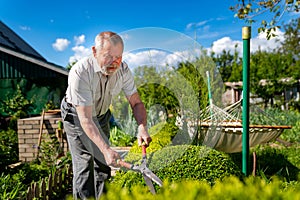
[[292, 135], [276, 162], [16, 106], [8, 148], [11, 185], [120, 138]]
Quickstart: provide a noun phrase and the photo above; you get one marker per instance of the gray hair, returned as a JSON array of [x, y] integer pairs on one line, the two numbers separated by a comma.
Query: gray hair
[[107, 36]]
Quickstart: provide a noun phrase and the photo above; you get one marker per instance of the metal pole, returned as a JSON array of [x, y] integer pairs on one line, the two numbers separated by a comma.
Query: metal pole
[[209, 95], [246, 34]]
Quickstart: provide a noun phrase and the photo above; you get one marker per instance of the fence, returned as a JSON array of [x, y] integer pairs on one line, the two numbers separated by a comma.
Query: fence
[[48, 188]]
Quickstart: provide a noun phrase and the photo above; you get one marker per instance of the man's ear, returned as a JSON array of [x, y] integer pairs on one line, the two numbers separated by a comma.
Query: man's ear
[[94, 50]]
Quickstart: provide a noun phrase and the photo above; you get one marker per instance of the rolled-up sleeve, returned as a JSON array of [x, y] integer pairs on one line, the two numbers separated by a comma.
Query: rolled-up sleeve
[[80, 87], [129, 87]]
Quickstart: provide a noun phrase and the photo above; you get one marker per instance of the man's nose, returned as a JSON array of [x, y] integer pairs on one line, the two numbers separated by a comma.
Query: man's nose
[[117, 61]]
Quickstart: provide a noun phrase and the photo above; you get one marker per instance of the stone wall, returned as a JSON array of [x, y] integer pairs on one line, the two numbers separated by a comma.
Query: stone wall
[[28, 135]]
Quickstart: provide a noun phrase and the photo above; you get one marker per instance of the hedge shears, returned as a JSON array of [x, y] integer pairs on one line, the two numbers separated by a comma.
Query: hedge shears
[[148, 175]]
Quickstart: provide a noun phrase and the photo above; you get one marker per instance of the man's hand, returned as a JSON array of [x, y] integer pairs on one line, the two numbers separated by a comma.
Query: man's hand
[[143, 136], [111, 157]]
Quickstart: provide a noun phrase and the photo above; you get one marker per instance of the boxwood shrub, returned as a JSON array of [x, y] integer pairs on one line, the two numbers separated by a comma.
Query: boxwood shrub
[[182, 162]]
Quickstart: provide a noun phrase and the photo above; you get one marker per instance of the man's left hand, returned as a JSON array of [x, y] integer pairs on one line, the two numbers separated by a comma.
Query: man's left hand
[[143, 136]]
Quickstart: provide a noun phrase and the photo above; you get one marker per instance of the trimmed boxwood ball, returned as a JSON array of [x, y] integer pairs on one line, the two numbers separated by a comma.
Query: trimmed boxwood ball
[[182, 162]]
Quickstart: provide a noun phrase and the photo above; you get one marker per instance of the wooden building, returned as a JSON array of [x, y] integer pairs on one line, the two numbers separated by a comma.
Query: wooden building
[[20, 64]]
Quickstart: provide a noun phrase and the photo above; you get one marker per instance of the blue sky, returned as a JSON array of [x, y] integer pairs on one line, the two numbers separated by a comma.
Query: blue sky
[[64, 30]]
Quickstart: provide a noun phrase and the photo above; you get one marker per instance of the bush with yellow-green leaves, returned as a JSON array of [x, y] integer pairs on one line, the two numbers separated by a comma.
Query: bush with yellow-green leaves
[[250, 188]]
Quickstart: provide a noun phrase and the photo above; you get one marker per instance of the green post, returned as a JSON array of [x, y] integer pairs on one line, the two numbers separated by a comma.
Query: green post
[[246, 34], [209, 94]]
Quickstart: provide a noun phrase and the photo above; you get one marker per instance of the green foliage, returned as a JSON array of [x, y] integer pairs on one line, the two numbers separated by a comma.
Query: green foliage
[[193, 162], [161, 134], [120, 138], [292, 155], [192, 74], [272, 67], [154, 93], [123, 131], [229, 188], [276, 116], [153, 88], [229, 65], [274, 162], [251, 10], [51, 106], [16, 106], [183, 162], [15, 184], [33, 172], [49, 151], [281, 162], [8, 148], [291, 43], [292, 135], [11, 185]]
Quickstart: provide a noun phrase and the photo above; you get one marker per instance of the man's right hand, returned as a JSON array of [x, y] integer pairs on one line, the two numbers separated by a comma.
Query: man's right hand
[[111, 157]]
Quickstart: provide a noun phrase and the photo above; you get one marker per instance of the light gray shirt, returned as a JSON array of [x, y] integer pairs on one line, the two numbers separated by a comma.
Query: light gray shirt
[[87, 86]]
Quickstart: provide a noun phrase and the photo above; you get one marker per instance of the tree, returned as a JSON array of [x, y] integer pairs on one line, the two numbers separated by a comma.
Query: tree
[[154, 88], [291, 41], [291, 46], [249, 10], [229, 65], [70, 65], [267, 69]]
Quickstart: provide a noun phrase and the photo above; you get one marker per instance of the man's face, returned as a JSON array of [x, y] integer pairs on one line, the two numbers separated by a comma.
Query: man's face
[[109, 58]]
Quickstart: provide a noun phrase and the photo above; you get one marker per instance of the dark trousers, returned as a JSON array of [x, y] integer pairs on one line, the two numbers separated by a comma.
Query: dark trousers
[[89, 167]]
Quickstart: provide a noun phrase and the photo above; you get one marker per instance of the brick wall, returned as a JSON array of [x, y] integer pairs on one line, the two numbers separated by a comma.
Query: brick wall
[[28, 135]]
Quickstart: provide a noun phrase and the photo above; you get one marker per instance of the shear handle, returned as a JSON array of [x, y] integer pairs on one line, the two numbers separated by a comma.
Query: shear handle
[[144, 153], [125, 164]]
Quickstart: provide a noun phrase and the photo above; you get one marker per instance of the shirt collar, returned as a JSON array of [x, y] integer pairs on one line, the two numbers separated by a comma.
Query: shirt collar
[[95, 64]]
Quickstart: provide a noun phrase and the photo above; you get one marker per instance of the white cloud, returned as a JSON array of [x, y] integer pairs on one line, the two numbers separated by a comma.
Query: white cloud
[[125, 36], [199, 24], [148, 57], [224, 43], [158, 58], [79, 52], [190, 25], [60, 44], [79, 39], [161, 58], [258, 43], [25, 28]]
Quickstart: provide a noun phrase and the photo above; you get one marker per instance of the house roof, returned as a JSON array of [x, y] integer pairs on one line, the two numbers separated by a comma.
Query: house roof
[[11, 40], [14, 45]]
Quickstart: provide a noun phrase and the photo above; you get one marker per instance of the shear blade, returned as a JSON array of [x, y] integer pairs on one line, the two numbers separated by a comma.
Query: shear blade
[[149, 184], [153, 177]]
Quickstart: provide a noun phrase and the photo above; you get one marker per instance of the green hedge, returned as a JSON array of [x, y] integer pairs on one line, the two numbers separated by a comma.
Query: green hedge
[[229, 188], [182, 162]]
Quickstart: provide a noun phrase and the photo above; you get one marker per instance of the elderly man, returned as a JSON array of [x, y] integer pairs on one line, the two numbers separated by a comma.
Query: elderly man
[[92, 83]]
